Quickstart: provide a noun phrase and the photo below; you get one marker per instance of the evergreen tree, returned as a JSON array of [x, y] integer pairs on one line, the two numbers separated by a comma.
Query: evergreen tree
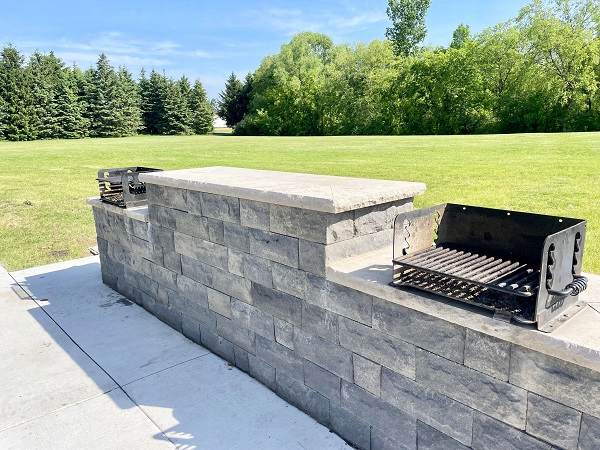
[[128, 103], [228, 99], [15, 94], [202, 110], [102, 100], [177, 118], [70, 120], [153, 92]]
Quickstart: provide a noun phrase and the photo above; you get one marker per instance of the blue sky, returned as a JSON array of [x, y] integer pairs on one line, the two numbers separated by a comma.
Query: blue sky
[[210, 39]]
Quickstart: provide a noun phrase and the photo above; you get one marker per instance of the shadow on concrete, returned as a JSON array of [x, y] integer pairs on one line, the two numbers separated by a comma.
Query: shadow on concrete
[[195, 398]]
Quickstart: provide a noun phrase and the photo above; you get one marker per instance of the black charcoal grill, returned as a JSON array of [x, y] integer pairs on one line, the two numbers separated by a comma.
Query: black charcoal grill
[[525, 266], [122, 186]]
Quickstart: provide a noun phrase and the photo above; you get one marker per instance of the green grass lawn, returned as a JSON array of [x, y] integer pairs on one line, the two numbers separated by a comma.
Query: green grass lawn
[[43, 184]]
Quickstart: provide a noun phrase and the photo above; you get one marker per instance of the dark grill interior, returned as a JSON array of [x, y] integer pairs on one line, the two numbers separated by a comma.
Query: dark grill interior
[[122, 187]]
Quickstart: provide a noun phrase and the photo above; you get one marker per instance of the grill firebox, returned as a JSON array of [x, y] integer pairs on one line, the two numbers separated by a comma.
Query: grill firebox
[[122, 186], [526, 265]]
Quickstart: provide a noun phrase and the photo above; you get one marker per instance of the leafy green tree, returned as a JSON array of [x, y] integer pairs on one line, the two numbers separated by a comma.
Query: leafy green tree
[[461, 35], [287, 89], [408, 25], [18, 123], [202, 110], [563, 39]]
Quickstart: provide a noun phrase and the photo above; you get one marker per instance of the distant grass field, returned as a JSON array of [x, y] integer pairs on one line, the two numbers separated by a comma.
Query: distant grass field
[[43, 184]]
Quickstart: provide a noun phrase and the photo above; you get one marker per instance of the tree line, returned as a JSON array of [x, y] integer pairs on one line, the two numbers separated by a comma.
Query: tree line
[[539, 72], [44, 99]]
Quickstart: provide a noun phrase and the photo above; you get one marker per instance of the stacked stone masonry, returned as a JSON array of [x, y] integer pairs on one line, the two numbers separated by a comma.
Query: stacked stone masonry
[[247, 280]]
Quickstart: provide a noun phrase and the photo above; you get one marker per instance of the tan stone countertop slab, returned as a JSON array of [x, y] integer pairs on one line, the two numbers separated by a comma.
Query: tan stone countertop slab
[[324, 193], [576, 341]]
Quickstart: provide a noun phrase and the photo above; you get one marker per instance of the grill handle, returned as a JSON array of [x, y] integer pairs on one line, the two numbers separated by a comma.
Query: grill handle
[[574, 288]]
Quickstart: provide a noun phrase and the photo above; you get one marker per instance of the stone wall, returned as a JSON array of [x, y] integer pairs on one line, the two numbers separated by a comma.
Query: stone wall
[[247, 280]]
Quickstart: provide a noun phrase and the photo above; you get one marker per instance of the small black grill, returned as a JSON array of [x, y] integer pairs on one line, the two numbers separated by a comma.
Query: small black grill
[[527, 265], [122, 186]]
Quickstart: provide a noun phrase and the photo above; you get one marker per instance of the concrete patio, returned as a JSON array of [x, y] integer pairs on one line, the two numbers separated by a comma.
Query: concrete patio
[[83, 367]]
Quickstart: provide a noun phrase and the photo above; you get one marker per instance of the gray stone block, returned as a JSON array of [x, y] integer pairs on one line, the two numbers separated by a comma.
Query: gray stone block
[[221, 207], [217, 344], [129, 291], [136, 227], [109, 279], [162, 216], [284, 333], [216, 231], [194, 269], [258, 270], [300, 223], [589, 436], [238, 335], [312, 257], [164, 277], [487, 354], [350, 427], [379, 347], [275, 247], [553, 422], [149, 303], [339, 299], [163, 294], [219, 302], [322, 381], [558, 380], [360, 245], [172, 261], [235, 262], [489, 433], [320, 322], [169, 315], [237, 236], [144, 249], [112, 266], [255, 214], [167, 196], [374, 219], [439, 411], [381, 415], [204, 251], [438, 336], [289, 280], [241, 358], [428, 438], [190, 329], [341, 227], [280, 357], [304, 398], [252, 318], [233, 285], [192, 225], [193, 310], [262, 371], [102, 245], [383, 440], [496, 398], [141, 282], [160, 236], [279, 304], [367, 374], [194, 202], [330, 356]]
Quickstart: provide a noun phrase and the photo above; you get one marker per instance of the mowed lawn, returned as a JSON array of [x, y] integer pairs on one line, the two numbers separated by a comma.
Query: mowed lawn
[[43, 184]]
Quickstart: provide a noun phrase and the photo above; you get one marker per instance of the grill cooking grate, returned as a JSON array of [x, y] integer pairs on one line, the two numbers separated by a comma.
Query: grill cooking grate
[[471, 266]]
